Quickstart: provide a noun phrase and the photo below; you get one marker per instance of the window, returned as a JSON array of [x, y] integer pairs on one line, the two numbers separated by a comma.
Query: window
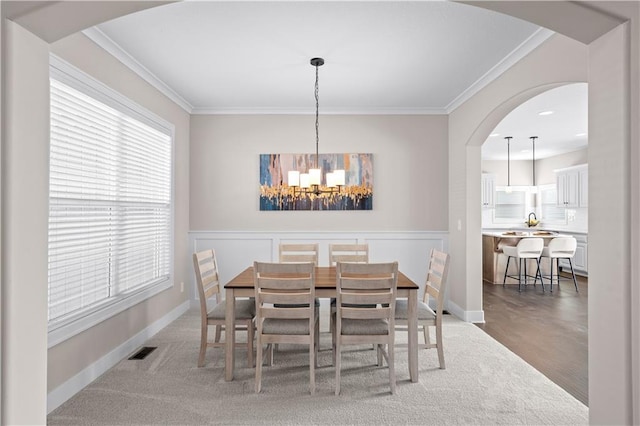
[[110, 202], [549, 209], [510, 206]]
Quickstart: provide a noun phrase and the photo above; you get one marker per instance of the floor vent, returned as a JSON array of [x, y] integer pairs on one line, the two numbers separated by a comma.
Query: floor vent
[[143, 352]]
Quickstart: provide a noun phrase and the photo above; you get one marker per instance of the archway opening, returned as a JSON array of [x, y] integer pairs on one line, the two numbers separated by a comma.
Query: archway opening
[[526, 161]]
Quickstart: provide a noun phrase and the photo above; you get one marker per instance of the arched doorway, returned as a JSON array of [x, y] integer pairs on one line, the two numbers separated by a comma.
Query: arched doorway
[[556, 321]]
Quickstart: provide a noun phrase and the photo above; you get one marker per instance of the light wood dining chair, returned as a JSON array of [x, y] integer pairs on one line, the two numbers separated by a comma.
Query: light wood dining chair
[[358, 287], [358, 253], [285, 311], [434, 289], [291, 253], [212, 307], [296, 253]]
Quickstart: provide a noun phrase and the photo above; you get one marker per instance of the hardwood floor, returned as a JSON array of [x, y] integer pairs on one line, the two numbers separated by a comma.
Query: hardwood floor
[[547, 330]]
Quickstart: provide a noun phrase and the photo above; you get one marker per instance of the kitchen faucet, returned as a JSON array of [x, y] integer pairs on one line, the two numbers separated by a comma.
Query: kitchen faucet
[[532, 222]]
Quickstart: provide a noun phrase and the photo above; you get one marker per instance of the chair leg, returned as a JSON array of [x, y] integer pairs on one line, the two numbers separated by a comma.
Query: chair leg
[[259, 365], [337, 355], [250, 337], [504, 280], [203, 344], [427, 337], [539, 272], [218, 333], [519, 274], [439, 346], [392, 369], [316, 339], [379, 353], [270, 349], [573, 274], [551, 275], [313, 359]]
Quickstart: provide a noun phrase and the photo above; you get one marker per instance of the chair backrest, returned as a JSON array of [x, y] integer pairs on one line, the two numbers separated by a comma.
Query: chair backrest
[[530, 248], [361, 285], [290, 253], [288, 286], [357, 253], [437, 278], [562, 247], [206, 269]]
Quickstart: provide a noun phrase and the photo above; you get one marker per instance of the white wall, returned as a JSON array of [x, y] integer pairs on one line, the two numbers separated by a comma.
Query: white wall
[[609, 288], [409, 166], [25, 193], [469, 127]]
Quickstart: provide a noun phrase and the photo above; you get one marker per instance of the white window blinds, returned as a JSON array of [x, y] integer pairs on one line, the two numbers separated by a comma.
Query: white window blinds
[[110, 204]]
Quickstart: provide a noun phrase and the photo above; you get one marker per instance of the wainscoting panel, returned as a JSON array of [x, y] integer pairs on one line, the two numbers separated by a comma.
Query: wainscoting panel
[[237, 250]]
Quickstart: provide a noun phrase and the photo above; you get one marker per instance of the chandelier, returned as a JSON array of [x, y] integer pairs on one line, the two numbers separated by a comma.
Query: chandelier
[[312, 180]]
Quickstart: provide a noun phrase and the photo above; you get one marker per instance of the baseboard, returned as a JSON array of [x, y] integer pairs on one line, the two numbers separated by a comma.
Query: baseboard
[[62, 393], [467, 316]]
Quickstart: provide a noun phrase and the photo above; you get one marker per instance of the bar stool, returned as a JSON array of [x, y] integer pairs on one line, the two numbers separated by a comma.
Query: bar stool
[[561, 248], [527, 248]]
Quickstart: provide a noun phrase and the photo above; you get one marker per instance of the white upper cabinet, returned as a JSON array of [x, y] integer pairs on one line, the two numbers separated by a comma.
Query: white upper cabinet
[[488, 190], [572, 186]]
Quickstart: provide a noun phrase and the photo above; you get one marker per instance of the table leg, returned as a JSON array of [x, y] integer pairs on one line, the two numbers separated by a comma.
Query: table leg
[[413, 335], [230, 334]]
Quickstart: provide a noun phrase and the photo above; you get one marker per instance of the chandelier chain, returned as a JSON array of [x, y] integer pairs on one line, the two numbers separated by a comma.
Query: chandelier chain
[[317, 124]]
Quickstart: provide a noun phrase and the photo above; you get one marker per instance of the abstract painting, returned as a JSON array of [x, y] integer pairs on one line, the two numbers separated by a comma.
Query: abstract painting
[[355, 194]]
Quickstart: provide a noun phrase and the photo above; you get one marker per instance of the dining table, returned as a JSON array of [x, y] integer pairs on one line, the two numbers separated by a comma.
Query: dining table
[[242, 286]]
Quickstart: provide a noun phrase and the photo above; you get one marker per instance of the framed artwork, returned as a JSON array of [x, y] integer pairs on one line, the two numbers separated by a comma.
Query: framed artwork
[[285, 184]]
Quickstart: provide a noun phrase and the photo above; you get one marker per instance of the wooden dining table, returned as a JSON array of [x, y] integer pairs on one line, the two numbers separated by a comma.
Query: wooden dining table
[[242, 286]]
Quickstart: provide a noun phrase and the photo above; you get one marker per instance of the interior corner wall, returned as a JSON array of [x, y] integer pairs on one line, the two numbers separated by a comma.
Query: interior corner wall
[[410, 159], [25, 194], [559, 60], [68, 358], [609, 185]]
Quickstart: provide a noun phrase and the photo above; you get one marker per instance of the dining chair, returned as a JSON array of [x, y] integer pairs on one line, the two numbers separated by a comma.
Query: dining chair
[[285, 311], [435, 287], [358, 287], [290, 253], [358, 253], [295, 253], [212, 307]]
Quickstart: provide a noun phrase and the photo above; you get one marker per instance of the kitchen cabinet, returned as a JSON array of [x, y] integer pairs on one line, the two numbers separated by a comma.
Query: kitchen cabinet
[[488, 190], [572, 187], [580, 258]]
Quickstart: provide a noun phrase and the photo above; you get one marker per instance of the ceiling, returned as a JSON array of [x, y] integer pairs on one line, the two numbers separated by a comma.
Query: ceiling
[[564, 130], [381, 57]]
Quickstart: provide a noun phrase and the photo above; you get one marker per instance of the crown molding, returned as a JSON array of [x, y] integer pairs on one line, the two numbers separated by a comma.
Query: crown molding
[[526, 47], [325, 111], [102, 40]]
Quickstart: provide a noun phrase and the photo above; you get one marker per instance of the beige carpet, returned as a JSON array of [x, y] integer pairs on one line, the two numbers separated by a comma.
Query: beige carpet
[[484, 384]]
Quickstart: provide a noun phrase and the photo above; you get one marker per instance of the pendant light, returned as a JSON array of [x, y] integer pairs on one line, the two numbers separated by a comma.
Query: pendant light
[[534, 188], [311, 181], [508, 138]]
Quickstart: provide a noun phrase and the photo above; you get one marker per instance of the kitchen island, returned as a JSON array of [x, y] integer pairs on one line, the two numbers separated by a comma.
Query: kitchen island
[[494, 261]]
